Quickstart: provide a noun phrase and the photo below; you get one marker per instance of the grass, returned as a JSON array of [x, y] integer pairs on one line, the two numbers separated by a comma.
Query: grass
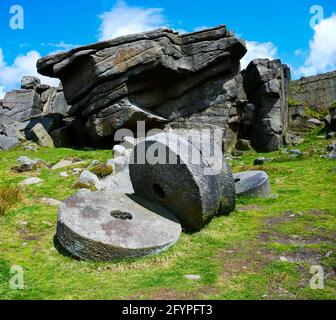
[[9, 196], [237, 257], [102, 170]]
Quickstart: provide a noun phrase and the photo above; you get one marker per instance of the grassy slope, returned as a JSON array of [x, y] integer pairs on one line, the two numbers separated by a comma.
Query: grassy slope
[[238, 257]]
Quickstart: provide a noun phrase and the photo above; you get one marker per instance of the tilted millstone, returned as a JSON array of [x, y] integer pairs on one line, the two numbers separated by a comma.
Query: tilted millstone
[[102, 226], [252, 184], [178, 182]]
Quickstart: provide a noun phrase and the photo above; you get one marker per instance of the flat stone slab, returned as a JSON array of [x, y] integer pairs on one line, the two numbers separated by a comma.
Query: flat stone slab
[[106, 226], [163, 171], [252, 184]]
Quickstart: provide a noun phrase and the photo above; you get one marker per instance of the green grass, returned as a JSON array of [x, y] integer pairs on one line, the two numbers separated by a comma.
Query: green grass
[[238, 257]]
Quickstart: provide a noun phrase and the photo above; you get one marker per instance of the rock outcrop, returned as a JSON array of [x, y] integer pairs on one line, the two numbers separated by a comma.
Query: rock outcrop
[[266, 84], [317, 92], [161, 77], [35, 103]]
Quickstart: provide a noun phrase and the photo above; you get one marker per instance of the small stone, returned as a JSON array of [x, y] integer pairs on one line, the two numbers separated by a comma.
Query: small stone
[[296, 152], [193, 277], [118, 164], [283, 259], [77, 171], [89, 179], [261, 161], [50, 201], [252, 184], [26, 164], [30, 148], [119, 151], [62, 164], [31, 181], [64, 174]]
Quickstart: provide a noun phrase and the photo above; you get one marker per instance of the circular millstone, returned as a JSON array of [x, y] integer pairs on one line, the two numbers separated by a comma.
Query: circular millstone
[[102, 226], [252, 184], [161, 171]]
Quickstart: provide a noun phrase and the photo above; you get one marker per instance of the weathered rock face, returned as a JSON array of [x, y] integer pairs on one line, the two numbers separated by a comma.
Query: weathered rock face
[[19, 106], [266, 84], [35, 103], [161, 77], [317, 92]]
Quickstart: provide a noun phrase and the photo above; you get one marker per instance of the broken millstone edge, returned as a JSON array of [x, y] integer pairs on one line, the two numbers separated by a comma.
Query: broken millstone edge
[[194, 192], [253, 184], [106, 226]]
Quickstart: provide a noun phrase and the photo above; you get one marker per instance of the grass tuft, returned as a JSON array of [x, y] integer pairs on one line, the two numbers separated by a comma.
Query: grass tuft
[[102, 170], [9, 196]]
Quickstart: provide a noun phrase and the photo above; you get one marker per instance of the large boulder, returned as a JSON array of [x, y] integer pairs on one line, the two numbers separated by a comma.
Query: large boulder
[[266, 84], [160, 77], [103, 226]]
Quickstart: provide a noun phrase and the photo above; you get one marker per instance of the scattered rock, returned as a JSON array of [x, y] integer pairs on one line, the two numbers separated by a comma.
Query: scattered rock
[[114, 226], [193, 277], [64, 174], [120, 151], [77, 171], [252, 184], [31, 181], [62, 164], [30, 148], [26, 164], [50, 202], [89, 179], [331, 135], [118, 164], [261, 161]]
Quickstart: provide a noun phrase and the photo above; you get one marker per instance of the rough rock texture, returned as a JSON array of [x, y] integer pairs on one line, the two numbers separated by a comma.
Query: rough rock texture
[[252, 184], [172, 172], [7, 143], [266, 84], [161, 77], [103, 226], [41, 136], [35, 103], [318, 92]]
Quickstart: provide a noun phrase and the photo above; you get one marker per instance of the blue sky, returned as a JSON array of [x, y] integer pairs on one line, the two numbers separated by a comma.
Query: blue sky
[[272, 28]]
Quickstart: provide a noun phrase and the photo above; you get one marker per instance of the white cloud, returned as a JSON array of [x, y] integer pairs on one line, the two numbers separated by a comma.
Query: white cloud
[[2, 92], [23, 65], [61, 46], [123, 19], [260, 50], [322, 54]]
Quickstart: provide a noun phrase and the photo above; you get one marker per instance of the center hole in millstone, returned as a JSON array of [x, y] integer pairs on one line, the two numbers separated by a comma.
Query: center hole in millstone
[[237, 180], [158, 191], [121, 215]]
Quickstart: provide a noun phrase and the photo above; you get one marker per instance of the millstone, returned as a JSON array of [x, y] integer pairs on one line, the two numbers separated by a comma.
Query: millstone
[[105, 226], [252, 184], [174, 181]]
